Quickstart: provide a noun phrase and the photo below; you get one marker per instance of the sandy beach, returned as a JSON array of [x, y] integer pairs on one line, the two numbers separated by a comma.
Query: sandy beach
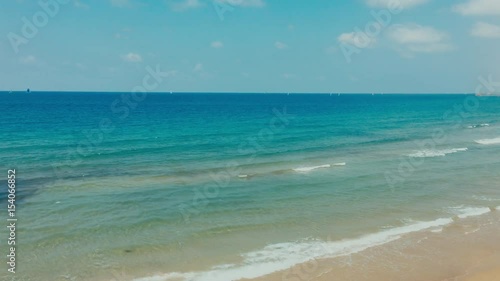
[[467, 250], [488, 275]]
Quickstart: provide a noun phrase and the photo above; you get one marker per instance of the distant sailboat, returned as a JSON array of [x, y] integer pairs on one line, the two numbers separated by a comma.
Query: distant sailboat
[[28, 90]]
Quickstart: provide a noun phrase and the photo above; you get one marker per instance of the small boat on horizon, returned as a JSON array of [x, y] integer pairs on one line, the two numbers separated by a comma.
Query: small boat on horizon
[[28, 90]]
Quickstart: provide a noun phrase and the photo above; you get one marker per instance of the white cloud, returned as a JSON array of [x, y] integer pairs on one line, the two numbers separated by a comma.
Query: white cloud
[[186, 5], [198, 67], [415, 34], [217, 44], [478, 7], [406, 4], [123, 34], [418, 39], [182, 5], [280, 45], [288, 76], [120, 3], [28, 59], [80, 66], [132, 57], [80, 5], [331, 49], [486, 30], [243, 3], [430, 48], [359, 39]]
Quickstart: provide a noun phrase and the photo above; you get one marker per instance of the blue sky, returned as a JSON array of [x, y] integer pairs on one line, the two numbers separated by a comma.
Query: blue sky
[[250, 45]]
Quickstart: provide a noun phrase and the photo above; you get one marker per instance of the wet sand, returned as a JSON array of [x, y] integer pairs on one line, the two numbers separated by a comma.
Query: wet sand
[[467, 250]]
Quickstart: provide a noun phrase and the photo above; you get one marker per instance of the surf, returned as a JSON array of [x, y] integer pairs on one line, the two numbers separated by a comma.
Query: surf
[[436, 153], [281, 256], [489, 141], [312, 168]]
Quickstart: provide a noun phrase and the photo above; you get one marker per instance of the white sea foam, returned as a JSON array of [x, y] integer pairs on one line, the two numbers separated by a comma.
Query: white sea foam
[[308, 169], [484, 198], [488, 141], [282, 256], [465, 212], [478, 126], [437, 153], [472, 231]]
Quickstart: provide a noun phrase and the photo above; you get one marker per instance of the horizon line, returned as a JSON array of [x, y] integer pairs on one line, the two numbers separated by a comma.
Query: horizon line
[[251, 92]]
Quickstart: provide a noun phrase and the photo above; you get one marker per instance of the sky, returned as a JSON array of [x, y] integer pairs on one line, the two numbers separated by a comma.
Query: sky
[[327, 46]]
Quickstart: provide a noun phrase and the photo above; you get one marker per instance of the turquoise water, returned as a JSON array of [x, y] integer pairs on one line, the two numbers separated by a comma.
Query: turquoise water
[[224, 186]]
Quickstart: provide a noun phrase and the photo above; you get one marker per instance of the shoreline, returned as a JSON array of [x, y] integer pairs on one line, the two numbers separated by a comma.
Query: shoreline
[[466, 250], [463, 248]]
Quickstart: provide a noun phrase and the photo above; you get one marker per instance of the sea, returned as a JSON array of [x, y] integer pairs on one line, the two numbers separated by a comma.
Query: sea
[[225, 186]]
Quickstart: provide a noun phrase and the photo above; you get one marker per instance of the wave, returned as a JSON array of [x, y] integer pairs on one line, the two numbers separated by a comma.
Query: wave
[[308, 169], [281, 256], [465, 212], [302, 170], [478, 126], [437, 153], [489, 141], [485, 198]]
